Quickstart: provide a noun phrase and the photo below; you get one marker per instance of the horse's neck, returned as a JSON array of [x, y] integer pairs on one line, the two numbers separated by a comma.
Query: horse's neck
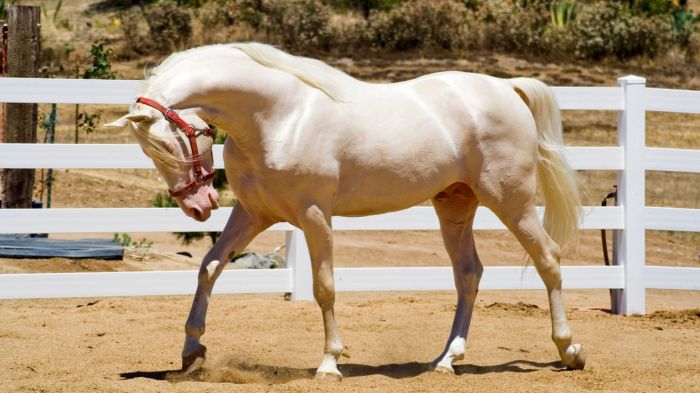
[[234, 97]]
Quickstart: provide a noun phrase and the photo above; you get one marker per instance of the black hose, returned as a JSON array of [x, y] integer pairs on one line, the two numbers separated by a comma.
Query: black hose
[[606, 258]]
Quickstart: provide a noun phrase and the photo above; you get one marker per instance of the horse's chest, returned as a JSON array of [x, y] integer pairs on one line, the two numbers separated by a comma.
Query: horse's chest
[[278, 192]]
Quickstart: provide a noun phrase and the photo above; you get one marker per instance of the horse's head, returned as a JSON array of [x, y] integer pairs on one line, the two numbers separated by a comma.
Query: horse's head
[[180, 146]]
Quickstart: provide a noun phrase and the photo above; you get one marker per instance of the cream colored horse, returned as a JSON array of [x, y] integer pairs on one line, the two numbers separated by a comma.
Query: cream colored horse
[[306, 142]]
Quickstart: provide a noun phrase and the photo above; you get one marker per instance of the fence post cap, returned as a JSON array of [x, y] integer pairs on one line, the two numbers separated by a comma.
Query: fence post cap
[[631, 80]]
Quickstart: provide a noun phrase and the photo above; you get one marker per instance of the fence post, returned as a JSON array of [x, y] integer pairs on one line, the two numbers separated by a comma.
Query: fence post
[[22, 61], [630, 241], [298, 260]]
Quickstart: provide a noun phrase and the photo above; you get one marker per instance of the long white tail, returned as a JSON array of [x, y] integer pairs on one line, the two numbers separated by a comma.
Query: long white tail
[[554, 175]]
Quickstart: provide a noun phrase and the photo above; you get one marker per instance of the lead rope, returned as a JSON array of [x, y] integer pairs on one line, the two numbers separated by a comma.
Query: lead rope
[[5, 30], [606, 258]]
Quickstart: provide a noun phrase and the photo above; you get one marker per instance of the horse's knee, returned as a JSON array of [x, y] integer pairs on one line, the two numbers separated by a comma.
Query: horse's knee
[[470, 271], [471, 276], [475, 271], [554, 251], [548, 265], [324, 289]]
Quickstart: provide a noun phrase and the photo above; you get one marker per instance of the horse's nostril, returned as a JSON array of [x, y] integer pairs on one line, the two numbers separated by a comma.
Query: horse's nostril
[[197, 213]]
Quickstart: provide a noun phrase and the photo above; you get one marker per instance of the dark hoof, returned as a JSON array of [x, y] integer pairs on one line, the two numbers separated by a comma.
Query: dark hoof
[[195, 360]]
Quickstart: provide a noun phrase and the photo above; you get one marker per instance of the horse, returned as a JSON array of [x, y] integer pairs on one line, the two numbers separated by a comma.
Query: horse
[[307, 141]]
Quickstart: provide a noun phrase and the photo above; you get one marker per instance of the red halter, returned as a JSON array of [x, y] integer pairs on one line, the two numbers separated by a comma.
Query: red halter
[[199, 176]]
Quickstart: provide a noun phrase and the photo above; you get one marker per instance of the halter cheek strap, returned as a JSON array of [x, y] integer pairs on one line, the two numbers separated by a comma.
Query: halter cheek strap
[[199, 176]]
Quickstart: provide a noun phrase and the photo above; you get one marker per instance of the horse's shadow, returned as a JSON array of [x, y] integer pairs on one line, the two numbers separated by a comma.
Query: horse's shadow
[[246, 373]]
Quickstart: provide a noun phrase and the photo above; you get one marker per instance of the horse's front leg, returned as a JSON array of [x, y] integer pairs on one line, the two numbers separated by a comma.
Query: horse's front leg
[[319, 237], [241, 229]]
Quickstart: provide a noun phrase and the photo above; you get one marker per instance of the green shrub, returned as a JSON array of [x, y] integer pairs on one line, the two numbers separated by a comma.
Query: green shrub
[[298, 24], [170, 26], [650, 7], [348, 33], [562, 12], [587, 29], [215, 13], [101, 67], [191, 3], [609, 29], [692, 49], [134, 40], [418, 24], [250, 12], [364, 6], [516, 26], [129, 242], [683, 24], [4, 7]]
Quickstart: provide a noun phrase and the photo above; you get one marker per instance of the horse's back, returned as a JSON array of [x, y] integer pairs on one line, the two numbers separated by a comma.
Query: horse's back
[[407, 141]]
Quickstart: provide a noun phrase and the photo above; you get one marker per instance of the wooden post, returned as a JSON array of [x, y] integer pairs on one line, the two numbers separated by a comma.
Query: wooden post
[[23, 62], [630, 241]]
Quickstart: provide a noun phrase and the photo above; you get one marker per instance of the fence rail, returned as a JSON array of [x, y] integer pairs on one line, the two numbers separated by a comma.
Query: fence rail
[[122, 156], [109, 220], [630, 159], [129, 156]]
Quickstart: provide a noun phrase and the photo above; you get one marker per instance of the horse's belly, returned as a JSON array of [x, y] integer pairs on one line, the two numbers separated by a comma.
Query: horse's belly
[[365, 206], [368, 195]]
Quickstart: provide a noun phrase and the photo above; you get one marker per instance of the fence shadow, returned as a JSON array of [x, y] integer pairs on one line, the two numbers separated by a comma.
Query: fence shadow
[[247, 373]]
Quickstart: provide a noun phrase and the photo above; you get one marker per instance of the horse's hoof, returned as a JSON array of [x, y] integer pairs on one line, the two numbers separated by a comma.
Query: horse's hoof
[[444, 369], [575, 357], [195, 360], [328, 377]]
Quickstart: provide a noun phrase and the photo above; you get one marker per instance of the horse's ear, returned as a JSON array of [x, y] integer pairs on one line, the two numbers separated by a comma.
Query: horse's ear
[[124, 120], [138, 118], [119, 123]]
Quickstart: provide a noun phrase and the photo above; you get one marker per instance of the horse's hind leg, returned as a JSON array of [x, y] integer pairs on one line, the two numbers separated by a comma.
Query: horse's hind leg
[[455, 208], [319, 236], [517, 211], [240, 230]]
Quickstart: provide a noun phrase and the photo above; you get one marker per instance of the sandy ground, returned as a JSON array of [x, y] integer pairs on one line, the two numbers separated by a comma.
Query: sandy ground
[[262, 343]]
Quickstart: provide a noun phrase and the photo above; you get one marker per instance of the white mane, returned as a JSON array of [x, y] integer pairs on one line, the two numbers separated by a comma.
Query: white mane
[[313, 72]]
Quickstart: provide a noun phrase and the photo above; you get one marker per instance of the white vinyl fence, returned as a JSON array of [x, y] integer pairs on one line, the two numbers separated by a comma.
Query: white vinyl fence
[[630, 219]]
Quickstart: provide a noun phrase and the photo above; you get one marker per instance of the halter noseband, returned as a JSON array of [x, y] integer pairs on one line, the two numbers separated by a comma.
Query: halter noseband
[[199, 176]]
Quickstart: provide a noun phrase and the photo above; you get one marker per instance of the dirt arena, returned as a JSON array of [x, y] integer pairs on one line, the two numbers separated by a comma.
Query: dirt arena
[[262, 343]]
